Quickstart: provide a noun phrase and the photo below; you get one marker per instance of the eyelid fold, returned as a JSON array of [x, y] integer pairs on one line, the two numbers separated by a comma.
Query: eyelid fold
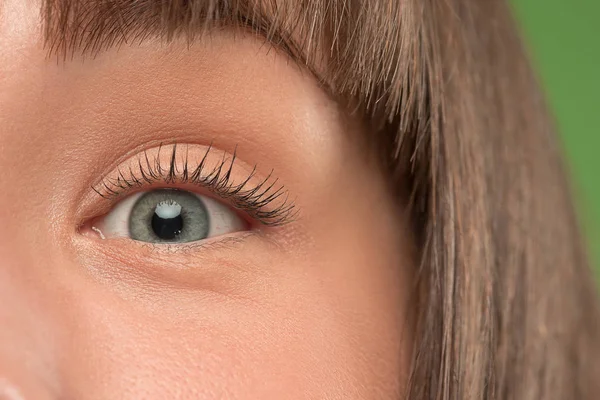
[[220, 173]]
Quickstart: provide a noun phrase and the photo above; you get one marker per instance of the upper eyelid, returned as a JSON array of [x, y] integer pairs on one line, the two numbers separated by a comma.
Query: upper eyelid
[[264, 199]]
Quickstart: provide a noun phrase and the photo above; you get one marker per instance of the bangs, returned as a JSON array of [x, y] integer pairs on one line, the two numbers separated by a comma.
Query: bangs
[[369, 57]]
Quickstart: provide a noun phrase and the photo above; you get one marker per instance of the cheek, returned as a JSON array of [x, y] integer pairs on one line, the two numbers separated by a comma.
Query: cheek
[[312, 338]]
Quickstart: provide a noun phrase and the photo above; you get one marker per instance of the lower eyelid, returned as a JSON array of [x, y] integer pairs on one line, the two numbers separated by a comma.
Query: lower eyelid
[[125, 250], [203, 266]]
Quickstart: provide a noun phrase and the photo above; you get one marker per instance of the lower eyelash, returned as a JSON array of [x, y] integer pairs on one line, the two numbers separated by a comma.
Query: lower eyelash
[[265, 201]]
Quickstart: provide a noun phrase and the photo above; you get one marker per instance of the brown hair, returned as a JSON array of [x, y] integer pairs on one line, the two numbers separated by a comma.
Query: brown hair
[[506, 305]]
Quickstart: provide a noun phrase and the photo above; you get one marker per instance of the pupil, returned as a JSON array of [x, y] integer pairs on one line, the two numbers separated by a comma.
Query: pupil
[[167, 225]]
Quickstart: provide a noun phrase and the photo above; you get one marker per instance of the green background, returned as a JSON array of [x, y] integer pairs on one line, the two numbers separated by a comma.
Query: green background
[[563, 39]]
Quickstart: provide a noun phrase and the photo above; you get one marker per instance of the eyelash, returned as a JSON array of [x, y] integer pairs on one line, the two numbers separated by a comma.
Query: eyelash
[[254, 200]]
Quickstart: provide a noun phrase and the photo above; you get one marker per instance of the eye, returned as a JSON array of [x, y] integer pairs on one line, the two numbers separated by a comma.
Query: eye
[[169, 216]]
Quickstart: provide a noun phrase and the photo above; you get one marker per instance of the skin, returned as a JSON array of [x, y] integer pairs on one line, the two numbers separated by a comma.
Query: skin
[[314, 309]]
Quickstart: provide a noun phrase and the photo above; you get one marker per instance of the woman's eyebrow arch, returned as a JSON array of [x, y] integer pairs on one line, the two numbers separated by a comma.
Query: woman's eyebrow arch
[[88, 27]]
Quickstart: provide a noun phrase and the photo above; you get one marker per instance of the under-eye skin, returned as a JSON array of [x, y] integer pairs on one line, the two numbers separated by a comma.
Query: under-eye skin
[[159, 199]]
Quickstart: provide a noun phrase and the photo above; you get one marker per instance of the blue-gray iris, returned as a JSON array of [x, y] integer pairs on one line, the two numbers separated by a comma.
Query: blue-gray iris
[[169, 216]]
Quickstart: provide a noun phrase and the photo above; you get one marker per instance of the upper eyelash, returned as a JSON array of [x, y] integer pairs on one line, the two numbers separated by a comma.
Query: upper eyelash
[[253, 200]]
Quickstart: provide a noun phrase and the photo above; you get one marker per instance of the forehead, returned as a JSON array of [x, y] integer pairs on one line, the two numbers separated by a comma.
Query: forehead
[[354, 50]]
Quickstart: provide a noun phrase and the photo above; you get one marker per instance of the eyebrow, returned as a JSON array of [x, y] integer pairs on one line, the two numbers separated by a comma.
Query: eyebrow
[[88, 27]]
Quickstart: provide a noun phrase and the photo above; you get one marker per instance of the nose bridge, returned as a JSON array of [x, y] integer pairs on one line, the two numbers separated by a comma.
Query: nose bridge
[[28, 317], [26, 346]]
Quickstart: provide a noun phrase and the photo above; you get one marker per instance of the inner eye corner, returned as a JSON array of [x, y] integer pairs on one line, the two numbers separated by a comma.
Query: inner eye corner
[[88, 228]]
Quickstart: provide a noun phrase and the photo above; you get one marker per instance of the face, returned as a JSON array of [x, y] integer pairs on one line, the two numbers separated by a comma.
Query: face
[[190, 222]]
